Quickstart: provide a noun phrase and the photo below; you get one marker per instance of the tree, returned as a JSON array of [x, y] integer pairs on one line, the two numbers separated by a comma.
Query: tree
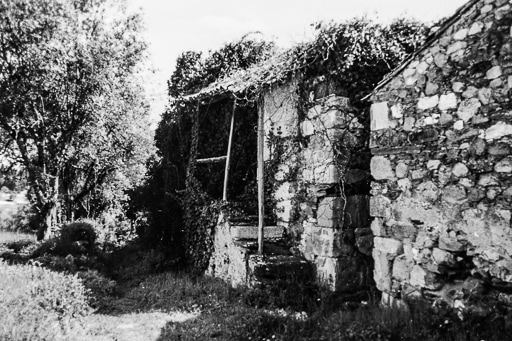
[[68, 94]]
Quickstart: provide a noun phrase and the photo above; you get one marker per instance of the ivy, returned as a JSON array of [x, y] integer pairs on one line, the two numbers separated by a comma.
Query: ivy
[[354, 55]]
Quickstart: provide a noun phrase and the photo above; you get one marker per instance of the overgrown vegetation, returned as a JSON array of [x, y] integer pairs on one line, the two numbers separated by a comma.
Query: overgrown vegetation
[[72, 108], [353, 56], [39, 303]]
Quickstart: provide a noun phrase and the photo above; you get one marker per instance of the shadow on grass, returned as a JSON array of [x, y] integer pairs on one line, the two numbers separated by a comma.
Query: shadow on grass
[[140, 295]]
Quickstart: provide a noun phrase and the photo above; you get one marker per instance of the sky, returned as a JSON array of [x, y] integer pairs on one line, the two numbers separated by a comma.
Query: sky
[[175, 26]]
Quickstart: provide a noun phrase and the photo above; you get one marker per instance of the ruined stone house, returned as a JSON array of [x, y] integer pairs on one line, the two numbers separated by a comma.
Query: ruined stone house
[[317, 161], [441, 133]]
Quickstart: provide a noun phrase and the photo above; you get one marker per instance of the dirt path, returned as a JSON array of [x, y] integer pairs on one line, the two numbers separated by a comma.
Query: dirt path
[[130, 327]]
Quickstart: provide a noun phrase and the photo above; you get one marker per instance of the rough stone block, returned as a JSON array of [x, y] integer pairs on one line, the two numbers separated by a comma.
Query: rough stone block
[[322, 241], [379, 116], [433, 164], [314, 111], [468, 108], [456, 47], [251, 232], [329, 212], [378, 228], [380, 206], [493, 72], [461, 34], [342, 274], [460, 170], [424, 279], [331, 119], [389, 246], [447, 101], [337, 103], [397, 111], [401, 170], [326, 174], [449, 242], [504, 166], [497, 131], [307, 128], [402, 268], [381, 168], [409, 123], [425, 103], [475, 28], [382, 270], [487, 179], [267, 268], [454, 194], [443, 257]]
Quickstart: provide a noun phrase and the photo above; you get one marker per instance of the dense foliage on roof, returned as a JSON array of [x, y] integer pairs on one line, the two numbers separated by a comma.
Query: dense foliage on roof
[[356, 53]]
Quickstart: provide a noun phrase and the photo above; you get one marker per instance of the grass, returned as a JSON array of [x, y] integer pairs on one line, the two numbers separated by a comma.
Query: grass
[[14, 236], [39, 304], [133, 301]]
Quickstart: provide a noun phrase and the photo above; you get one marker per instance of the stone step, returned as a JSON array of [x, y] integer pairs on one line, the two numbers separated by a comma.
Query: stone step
[[251, 232], [270, 248], [267, 269]]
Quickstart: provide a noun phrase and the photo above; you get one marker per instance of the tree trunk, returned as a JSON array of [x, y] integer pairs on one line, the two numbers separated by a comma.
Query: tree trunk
[[48, 212], [47, 219]]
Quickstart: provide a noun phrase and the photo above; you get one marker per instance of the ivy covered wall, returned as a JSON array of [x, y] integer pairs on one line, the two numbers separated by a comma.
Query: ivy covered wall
[[317, 151]]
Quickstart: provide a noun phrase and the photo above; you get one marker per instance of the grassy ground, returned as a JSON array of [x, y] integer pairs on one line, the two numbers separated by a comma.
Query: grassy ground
[[13, 236], [125, 296]]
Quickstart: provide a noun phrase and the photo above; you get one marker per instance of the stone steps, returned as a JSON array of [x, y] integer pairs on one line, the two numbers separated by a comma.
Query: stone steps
[[267, 269], [250, 232], [270, 248]]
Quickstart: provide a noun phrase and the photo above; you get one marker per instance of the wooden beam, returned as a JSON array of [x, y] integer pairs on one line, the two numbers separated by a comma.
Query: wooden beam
[[228, 155], [260, 173], [212, 159]]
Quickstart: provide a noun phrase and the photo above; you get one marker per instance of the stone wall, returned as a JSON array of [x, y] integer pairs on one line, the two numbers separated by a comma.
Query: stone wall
[[442, 166], [318, 146]]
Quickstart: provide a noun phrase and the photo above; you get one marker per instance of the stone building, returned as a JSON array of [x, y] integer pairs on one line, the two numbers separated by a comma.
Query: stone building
[[441, 135], [317, 163]]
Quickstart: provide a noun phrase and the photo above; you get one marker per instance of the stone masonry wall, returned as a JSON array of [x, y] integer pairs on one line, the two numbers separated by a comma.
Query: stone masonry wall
[[322, 181], [442, 166]]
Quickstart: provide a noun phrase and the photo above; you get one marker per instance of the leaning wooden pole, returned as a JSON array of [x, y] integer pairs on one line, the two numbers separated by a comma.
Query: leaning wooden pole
[[261, 196], [228, 155]]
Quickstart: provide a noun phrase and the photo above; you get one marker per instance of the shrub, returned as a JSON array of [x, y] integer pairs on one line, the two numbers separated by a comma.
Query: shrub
[[101, 288], [76, 238], [39, 304]]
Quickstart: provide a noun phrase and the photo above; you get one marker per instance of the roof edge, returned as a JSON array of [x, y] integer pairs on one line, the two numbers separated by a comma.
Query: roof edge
[[429, 41]]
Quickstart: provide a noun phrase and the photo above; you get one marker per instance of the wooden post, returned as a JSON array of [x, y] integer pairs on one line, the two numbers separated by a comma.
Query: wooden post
[[261, 196], [228, 155]]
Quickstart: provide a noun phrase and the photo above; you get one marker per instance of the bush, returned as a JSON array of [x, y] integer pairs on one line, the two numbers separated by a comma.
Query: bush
[[75, 238], [39, 304], [101, 288]]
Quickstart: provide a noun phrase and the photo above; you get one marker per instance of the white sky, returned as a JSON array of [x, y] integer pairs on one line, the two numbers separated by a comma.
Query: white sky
[[175, 26]]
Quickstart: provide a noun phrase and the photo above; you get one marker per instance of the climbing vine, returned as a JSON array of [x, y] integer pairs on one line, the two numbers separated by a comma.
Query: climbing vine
[[353, 56]]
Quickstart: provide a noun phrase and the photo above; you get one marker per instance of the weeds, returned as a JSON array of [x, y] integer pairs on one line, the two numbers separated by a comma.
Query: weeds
[[130, 281]]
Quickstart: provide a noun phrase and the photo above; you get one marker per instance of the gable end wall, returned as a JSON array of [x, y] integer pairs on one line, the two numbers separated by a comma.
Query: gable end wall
[[442, 166]]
